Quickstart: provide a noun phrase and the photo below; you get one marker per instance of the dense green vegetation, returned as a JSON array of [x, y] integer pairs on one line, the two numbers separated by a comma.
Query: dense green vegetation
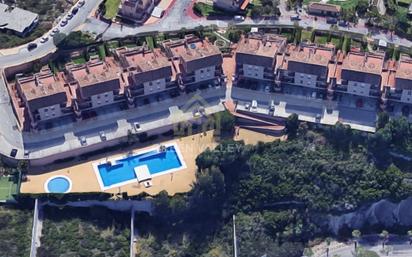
[[203, 9], [48, 10], [265, 8], [73, 40], [15, 232], [88, 232], [277, 190]]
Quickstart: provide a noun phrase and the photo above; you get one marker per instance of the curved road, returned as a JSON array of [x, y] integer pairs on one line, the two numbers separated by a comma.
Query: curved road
[[22, 55]]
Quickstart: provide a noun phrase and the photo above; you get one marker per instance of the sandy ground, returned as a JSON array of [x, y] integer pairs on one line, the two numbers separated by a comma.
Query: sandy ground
[[84, 178], [229, 67], [252, 137]]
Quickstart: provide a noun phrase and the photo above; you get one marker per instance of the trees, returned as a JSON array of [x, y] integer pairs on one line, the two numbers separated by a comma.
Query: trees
[[227, 121], [384, 235], [292, 125], [383, 119], [73, 40], [356, 234]]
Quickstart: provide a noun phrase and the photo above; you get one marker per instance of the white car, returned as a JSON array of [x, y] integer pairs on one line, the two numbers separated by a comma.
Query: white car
[[44, 39], [81, 3]]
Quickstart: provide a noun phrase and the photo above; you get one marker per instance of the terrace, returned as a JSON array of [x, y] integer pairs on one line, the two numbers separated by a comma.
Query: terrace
[[84, 178]]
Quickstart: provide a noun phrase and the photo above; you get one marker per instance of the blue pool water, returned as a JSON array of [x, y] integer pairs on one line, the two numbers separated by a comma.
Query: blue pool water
[[58, 185], [123, 170]]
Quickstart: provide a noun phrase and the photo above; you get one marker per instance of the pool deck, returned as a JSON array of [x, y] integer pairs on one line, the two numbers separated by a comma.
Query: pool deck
[[84, 179]]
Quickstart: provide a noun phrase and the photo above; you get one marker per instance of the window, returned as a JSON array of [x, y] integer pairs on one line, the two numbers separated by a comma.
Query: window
[[201, 71], [52, 108], [98, 97], [46, 110], [106, 95]]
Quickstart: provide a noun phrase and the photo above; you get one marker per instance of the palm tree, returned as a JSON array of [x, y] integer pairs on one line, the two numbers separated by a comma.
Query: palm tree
[[410, 236], [385, 236], [356, 234]]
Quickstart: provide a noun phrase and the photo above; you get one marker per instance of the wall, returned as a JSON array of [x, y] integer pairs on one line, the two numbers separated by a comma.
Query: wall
[[207, 73], [305, 80], [50, 112], [102, 99], [154, 86], [358, 88], [253, 71]]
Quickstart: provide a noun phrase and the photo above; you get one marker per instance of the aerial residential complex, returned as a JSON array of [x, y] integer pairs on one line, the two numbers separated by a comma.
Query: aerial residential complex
[[368, 82]]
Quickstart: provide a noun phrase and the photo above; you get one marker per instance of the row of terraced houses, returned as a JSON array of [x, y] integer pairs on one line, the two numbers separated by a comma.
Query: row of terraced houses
[[127, 79], [322, 72], [263, 62]]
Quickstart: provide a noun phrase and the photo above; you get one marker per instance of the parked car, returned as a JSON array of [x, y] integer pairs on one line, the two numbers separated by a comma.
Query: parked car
[[44, 39], [331, 20], [343, 23], [55, 30], [247, 106], [272, 107], [83, 140], [267, 89], [31, 46], [102, 136], [295, 18], [63, 23], [69, 16], [239, 18], [81, 3], [254, 105], [136, 126], [75, 10]]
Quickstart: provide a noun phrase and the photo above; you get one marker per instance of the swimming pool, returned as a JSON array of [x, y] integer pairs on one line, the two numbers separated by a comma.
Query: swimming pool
[[58, 184], [122, 171]]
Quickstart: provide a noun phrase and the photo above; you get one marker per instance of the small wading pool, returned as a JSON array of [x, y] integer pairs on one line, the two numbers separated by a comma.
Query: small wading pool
[[122, 170], [58, 184]]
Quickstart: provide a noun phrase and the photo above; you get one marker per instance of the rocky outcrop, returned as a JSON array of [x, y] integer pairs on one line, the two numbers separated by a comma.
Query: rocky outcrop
[[383, 213]]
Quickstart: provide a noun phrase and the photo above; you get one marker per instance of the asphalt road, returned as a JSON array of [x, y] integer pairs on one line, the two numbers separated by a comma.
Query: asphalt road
[[23, 55]]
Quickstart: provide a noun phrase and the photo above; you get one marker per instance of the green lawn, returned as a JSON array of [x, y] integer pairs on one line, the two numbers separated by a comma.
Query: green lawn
[[150, 42], [306, 35], [79, 60], [7, 188], [335, 40], [203, 9], [112, 7], [101, 52], [348, 4], [321, 39], [306, 2], [405, 2]]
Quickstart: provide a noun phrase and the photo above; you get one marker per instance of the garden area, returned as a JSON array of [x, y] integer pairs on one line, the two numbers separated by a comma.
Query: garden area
[[111, 8], [85, 232], [15, 232], [8, 187], [48, 10]]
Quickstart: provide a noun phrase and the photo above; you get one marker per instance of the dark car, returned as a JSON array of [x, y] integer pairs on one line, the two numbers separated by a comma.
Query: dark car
[[31, 46], [331, 20], [75, 10], [13, 153], [295, 18], [343, 23]]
